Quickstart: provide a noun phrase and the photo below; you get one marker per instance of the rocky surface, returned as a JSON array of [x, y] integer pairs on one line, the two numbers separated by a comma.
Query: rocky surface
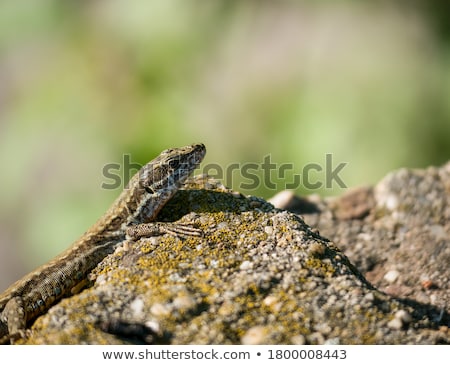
[[397, 233], [260, 275]]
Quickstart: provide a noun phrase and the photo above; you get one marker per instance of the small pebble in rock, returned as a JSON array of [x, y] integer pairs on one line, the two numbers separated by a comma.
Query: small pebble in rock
[[332, 341], [159, 309], [272, 302], [428, 284], [310, 285], [331, 299], [395, 324], [298, 340], [254, 336], [101, 279], [227, 308], [391, 276], [184, 302], [222, 225], [214, 263], [269, 300], [433, 299], [369, 297], [245, 265], [391, 202], [404, 316], [153, 325], [323, 328], [137, 307]]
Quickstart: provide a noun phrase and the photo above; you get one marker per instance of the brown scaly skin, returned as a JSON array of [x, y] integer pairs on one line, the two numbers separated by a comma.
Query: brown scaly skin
[[129, 217]]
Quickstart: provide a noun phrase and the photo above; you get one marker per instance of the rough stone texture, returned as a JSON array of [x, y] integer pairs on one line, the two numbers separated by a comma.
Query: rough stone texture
[[262, 276], [397, 233]]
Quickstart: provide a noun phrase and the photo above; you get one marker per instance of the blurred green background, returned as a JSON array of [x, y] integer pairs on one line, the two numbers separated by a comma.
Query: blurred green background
[[84, 82]]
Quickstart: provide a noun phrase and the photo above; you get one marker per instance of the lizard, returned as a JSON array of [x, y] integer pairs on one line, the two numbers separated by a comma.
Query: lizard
[[129, 217]]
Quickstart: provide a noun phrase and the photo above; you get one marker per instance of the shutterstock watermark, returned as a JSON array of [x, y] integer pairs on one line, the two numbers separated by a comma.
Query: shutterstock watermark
[[249, 175]]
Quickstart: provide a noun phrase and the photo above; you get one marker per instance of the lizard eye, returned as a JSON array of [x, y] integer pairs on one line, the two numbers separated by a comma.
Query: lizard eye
[[149, 190]]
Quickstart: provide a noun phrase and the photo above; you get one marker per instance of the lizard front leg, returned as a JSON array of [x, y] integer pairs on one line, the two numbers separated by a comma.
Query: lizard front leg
[[157, 228]]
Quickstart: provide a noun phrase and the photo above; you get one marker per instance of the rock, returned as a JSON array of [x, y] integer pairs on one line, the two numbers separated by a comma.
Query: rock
[[401, 243], [239, 283]]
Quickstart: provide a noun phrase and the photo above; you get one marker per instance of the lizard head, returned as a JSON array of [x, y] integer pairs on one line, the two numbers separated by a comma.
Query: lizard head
[[159, 180], [171, 168]]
